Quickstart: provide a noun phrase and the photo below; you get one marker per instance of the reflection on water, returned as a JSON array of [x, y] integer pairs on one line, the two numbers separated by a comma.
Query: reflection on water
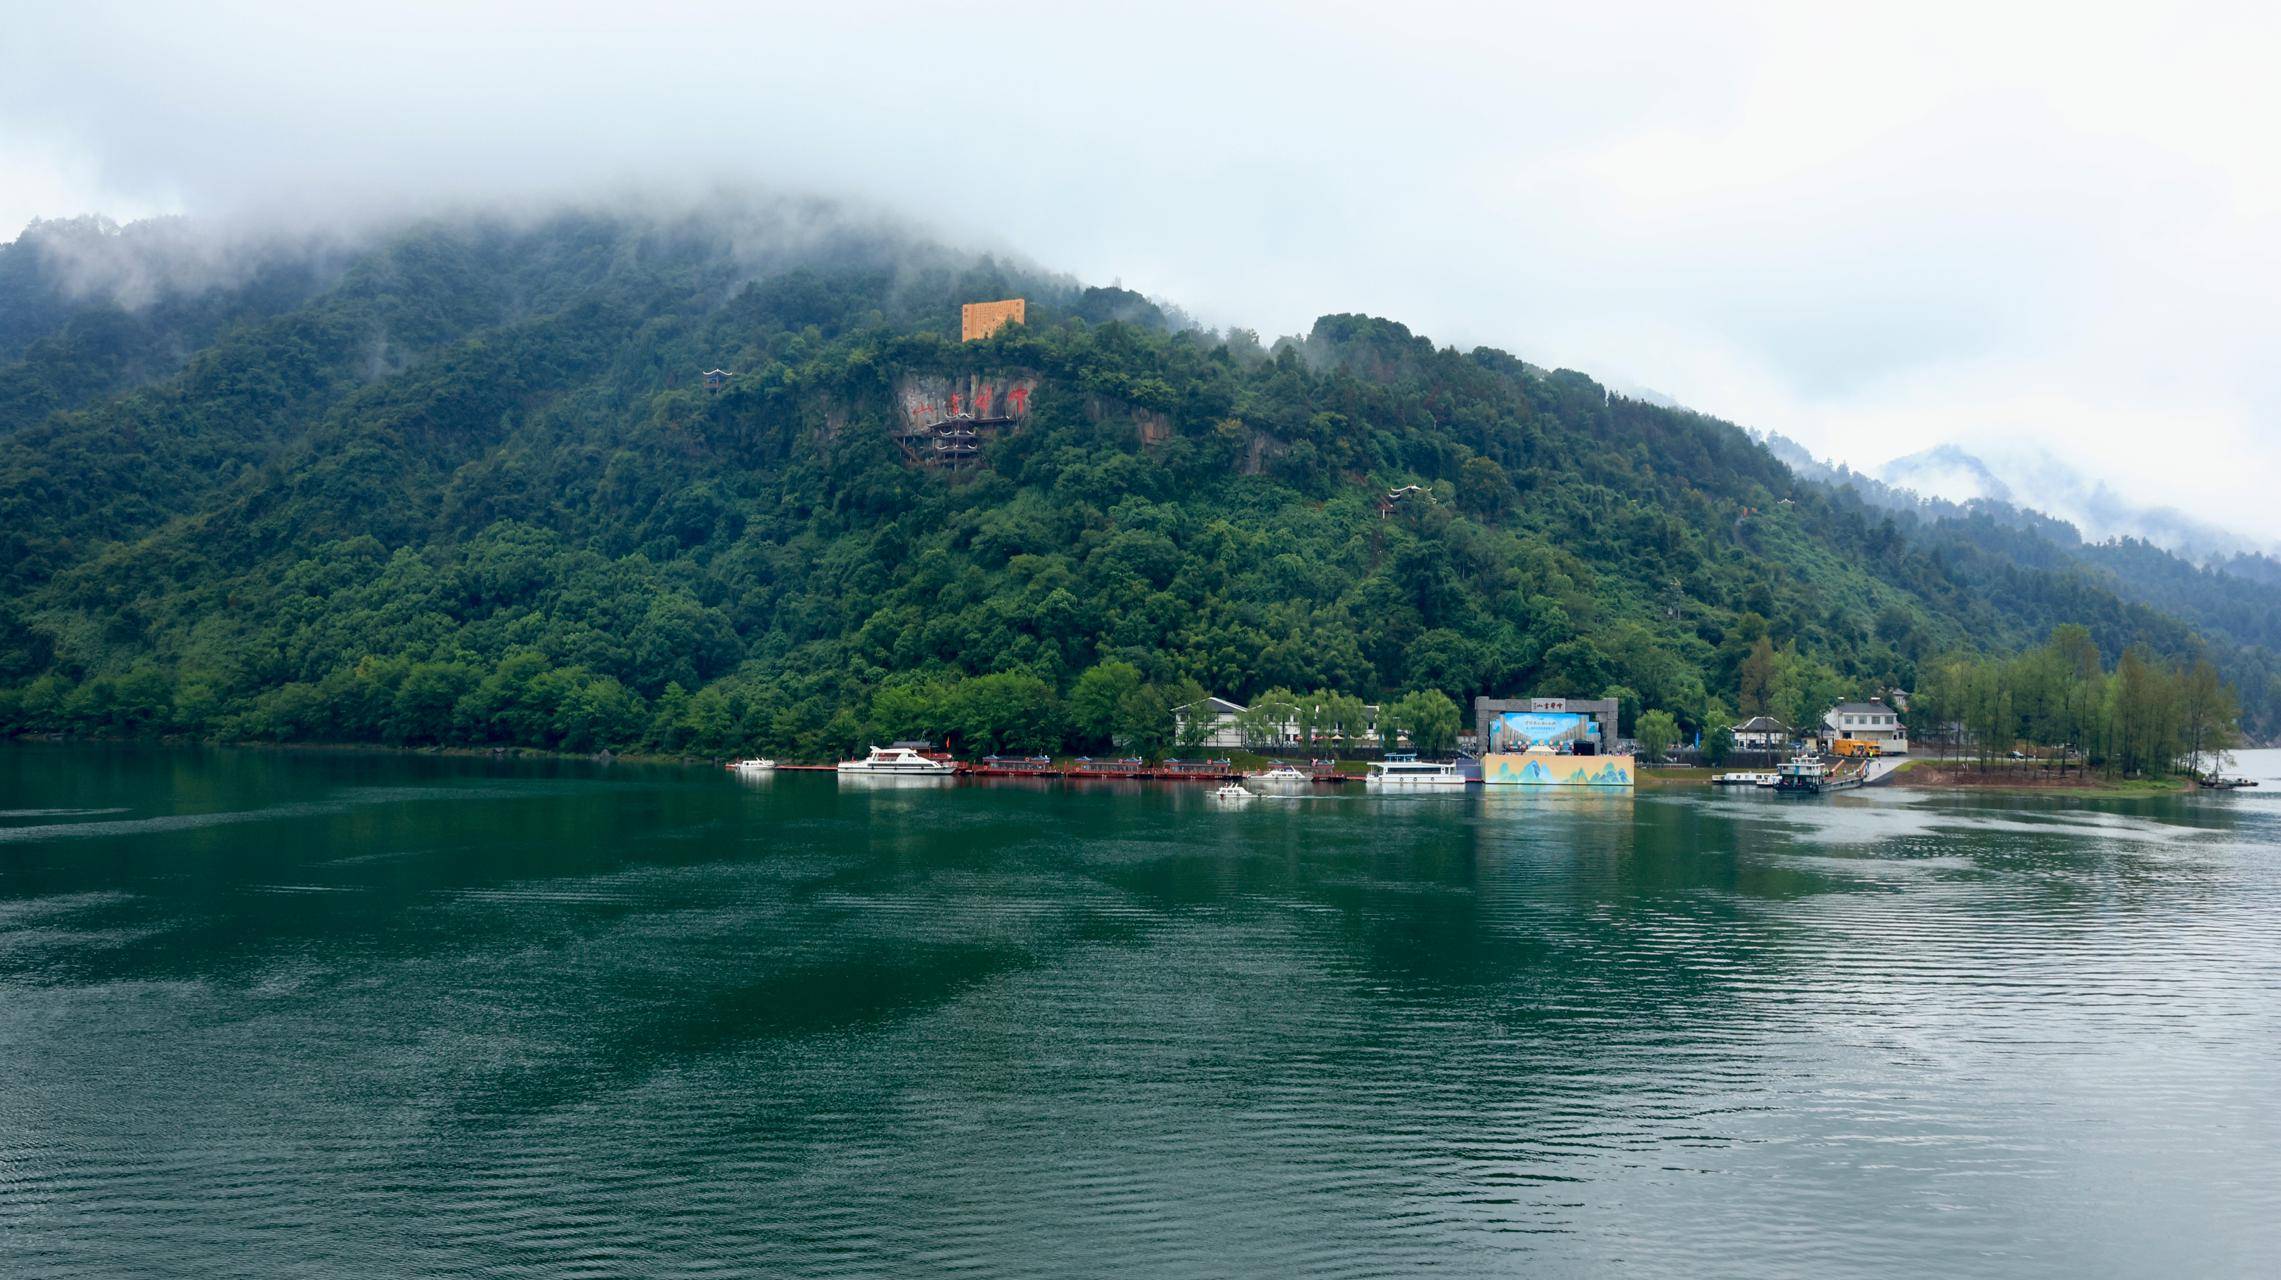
[[893, 781], [277, 1014]]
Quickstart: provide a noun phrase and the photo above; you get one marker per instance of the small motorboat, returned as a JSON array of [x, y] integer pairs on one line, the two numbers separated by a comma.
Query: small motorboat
[[755, 765], [1281, 778], [1232, 793]]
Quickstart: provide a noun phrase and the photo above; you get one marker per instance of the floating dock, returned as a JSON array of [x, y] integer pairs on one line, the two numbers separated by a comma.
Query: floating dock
[[1089, 770]]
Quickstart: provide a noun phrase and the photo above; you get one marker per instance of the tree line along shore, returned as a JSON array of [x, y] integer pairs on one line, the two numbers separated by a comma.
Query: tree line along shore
[[2054, 711]]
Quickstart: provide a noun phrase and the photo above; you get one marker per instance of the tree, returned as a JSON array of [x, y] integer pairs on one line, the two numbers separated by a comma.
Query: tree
[[1484, 488], [913, 707], [1007, 713], [1628, 706], [423, 705], [2208, 715], [1096, 702], [1570, 667], [1264, 723], [1754, 680], [1427, 716], [2082, 694], [1340, 717], [1657, 731]]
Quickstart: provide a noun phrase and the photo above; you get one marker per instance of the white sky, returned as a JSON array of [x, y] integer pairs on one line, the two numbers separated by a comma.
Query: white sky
[[1870, 229]]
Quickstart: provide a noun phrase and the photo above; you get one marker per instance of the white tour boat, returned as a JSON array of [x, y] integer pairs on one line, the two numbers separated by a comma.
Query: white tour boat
[[1402, 771], [1282, 777], [899, 762], [1232, 793], [755, 765]]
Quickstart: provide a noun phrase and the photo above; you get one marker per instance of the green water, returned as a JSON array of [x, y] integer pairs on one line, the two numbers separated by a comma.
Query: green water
[[357, 1015]]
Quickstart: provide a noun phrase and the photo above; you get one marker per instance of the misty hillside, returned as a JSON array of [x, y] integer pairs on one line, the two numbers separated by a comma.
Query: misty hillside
[[465, 483], [2232, 597], [2024, 476]]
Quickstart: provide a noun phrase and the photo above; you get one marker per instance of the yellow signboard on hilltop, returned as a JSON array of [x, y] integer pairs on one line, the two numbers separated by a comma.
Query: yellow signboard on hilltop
[[981, 319]]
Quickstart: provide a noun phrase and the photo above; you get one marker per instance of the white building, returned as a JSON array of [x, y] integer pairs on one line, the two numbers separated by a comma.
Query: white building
[[1227, 731], [1221, 712], [1762, 733], [1870, 721]]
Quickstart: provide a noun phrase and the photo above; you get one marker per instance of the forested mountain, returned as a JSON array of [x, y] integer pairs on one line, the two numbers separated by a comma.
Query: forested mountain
[[2232, 600], [464, 483]]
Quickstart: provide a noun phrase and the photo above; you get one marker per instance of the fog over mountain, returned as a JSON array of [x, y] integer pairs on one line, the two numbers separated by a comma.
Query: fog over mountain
[[2033, 479], [1871, 236]]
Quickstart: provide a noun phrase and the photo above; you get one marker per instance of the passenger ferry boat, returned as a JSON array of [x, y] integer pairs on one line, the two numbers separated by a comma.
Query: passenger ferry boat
[[1808, 775], [1743, 778], [1800, 772], [1405, 770], [756, 765], [902, 762]]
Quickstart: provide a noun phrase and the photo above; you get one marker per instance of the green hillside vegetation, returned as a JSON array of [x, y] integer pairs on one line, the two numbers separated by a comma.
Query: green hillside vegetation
[[469, 491]]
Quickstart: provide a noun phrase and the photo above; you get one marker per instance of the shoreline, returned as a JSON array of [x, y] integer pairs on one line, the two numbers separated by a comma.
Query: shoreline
[[372, 748], [1926, 773], [1962, 778]]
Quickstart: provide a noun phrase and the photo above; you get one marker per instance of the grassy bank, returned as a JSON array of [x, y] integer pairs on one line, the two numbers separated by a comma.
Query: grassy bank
[[2029, 778], [1673, 775]]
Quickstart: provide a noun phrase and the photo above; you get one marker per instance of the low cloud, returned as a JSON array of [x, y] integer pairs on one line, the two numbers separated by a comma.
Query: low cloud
[[1868, 231]]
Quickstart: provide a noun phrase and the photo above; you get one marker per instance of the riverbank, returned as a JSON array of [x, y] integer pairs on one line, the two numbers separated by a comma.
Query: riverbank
[[1920, 773], [2026, 778], [1673, 775], [367, 748]]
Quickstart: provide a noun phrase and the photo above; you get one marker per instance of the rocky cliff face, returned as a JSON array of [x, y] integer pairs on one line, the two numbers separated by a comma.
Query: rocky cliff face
[[927, 398]]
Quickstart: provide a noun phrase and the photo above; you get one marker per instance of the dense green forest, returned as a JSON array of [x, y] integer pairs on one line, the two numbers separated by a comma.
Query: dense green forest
[[464, 485]]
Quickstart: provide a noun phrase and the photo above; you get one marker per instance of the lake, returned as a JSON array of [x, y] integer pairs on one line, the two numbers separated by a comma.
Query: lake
[[311, 1014]]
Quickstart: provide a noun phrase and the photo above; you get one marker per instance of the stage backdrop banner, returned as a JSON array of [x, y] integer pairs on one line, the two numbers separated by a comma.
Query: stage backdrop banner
[[1521, 730], [1547, 769]]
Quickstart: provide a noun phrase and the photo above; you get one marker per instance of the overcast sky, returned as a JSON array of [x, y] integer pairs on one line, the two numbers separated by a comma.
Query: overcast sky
[[1870, 229]]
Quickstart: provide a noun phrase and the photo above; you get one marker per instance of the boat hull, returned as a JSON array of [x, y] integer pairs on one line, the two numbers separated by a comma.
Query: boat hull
[[860, 770]]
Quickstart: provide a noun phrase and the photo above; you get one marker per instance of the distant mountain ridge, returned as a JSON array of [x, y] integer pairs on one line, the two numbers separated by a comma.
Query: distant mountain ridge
[[2032, 478], [2232, 594]]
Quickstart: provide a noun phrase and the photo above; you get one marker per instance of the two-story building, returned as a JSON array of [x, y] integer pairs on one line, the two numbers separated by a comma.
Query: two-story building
[[1227, 729], [1220, 712], [1871, 721]]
